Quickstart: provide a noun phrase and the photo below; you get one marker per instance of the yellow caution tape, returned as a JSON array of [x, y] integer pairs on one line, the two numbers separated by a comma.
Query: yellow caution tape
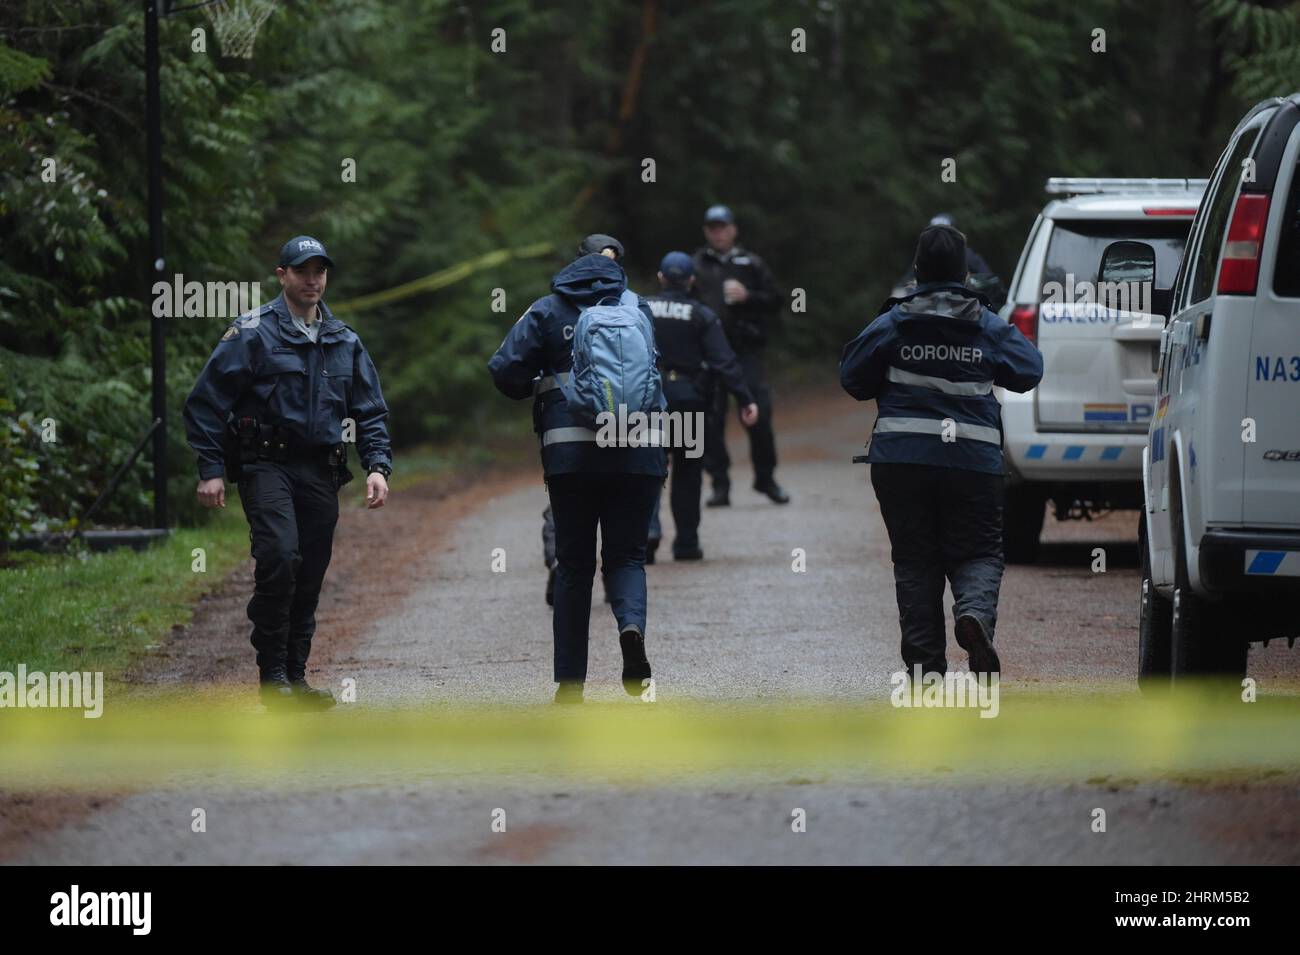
[[441, 279]]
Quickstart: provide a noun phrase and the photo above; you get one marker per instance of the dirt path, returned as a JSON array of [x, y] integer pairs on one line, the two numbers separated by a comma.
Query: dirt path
[[417, 617]]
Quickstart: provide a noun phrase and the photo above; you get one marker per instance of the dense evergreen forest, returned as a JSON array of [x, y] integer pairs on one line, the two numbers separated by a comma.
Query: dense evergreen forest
[[516, 126]]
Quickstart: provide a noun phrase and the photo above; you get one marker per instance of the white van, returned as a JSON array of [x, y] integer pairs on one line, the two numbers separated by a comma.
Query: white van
[[1076, 440], [1221, 470]]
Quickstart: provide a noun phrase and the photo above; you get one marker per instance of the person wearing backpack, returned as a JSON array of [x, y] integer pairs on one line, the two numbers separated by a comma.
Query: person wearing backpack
[[591, 315]]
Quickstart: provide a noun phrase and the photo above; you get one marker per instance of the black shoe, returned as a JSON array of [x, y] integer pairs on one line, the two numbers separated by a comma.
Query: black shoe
[[773, 491], [568, 692], [275, 689], [693, 554], [651, 546], [550, 587], [972, 638], [636, 668], [721, 497], [309, 697]]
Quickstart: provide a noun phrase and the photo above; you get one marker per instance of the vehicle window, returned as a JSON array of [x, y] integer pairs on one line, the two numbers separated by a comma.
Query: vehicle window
[[1076, 248], [1286, 273], [1206, 265]]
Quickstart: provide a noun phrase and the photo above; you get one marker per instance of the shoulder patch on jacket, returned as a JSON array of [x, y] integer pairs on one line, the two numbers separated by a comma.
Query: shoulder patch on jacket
[[231, 332]]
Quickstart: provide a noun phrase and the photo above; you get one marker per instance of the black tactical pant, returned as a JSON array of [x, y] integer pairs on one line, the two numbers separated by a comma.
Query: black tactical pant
[[688, 479], [942, 523], [762, 440], [292, 508]]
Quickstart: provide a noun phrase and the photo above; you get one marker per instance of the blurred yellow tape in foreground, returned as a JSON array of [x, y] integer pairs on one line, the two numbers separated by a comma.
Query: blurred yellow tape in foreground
[[1038, 736]]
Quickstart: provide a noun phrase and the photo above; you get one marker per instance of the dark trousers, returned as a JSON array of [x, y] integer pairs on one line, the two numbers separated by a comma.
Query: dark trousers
[[687, 481], [762, 440], [942, 523], [620, 505], [292, 509]]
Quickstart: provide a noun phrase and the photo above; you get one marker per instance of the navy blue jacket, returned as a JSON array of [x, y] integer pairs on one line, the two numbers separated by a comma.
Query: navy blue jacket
[[747, 324], [541, 344], [265, 368], [691, 345], [936, 354]]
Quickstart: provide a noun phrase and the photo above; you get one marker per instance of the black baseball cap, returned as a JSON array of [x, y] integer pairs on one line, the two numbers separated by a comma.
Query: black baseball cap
[[598, 242], [677, 268], [718, 213], [301, 248]]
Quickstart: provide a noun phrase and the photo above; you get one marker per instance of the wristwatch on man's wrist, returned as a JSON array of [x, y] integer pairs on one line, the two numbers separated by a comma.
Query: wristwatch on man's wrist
[[383, 469]]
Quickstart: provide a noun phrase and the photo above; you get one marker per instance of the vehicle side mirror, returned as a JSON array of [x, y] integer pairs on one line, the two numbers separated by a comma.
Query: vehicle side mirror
[[1127, 276]]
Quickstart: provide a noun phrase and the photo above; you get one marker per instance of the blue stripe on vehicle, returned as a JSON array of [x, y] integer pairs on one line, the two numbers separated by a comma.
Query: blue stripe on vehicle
[[1105, 416], [1111, 454], [1036, 452], [1266, 562], [1073, 452]]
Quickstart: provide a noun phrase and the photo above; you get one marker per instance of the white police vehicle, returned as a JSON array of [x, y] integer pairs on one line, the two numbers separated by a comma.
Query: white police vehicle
[[1098, 262], [1221, 471]]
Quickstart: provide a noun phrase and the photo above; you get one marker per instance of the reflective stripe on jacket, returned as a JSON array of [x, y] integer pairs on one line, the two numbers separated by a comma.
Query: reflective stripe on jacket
[[931, 361]]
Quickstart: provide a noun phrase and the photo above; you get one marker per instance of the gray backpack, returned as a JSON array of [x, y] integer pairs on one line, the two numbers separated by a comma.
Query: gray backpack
[[615, 362]]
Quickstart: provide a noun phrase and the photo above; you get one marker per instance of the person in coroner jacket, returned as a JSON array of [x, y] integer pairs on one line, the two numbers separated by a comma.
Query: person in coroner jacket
[[931, 360]]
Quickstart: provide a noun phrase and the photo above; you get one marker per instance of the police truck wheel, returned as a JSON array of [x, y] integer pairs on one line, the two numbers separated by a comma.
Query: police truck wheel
[[1155, 629], [1022, 523], [1203, 646]]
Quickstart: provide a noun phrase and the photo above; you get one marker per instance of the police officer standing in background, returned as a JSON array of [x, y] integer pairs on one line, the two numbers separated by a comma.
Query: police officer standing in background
[[738, 286], [931, 360], [269, 411], [692, 349]]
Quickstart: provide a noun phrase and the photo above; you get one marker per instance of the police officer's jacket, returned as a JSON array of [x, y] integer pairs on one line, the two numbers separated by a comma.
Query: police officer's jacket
[[935, 356], [264, 368], [746, 323], [691, 346], [541, 344]]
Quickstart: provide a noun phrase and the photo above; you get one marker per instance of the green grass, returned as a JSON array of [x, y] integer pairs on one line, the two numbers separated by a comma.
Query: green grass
[[87, 611], [95, 611]]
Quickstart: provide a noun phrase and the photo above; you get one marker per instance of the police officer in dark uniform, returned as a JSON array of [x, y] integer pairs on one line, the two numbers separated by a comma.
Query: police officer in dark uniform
[[692, 350], [931, 361], [590, 486], [285, 388], [738, 286]]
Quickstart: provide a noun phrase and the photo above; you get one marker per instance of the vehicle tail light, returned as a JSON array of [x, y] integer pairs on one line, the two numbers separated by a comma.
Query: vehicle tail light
[[1025, 318], [1169, 211], [1239, 270]]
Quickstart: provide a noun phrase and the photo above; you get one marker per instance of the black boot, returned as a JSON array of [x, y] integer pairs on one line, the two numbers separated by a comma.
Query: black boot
[[721, 497], [310, 697], [974, 639], [550, 587], [304, 693], [636, 668], [568, 692], [651, 546], [276, 691], [772, 490]]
